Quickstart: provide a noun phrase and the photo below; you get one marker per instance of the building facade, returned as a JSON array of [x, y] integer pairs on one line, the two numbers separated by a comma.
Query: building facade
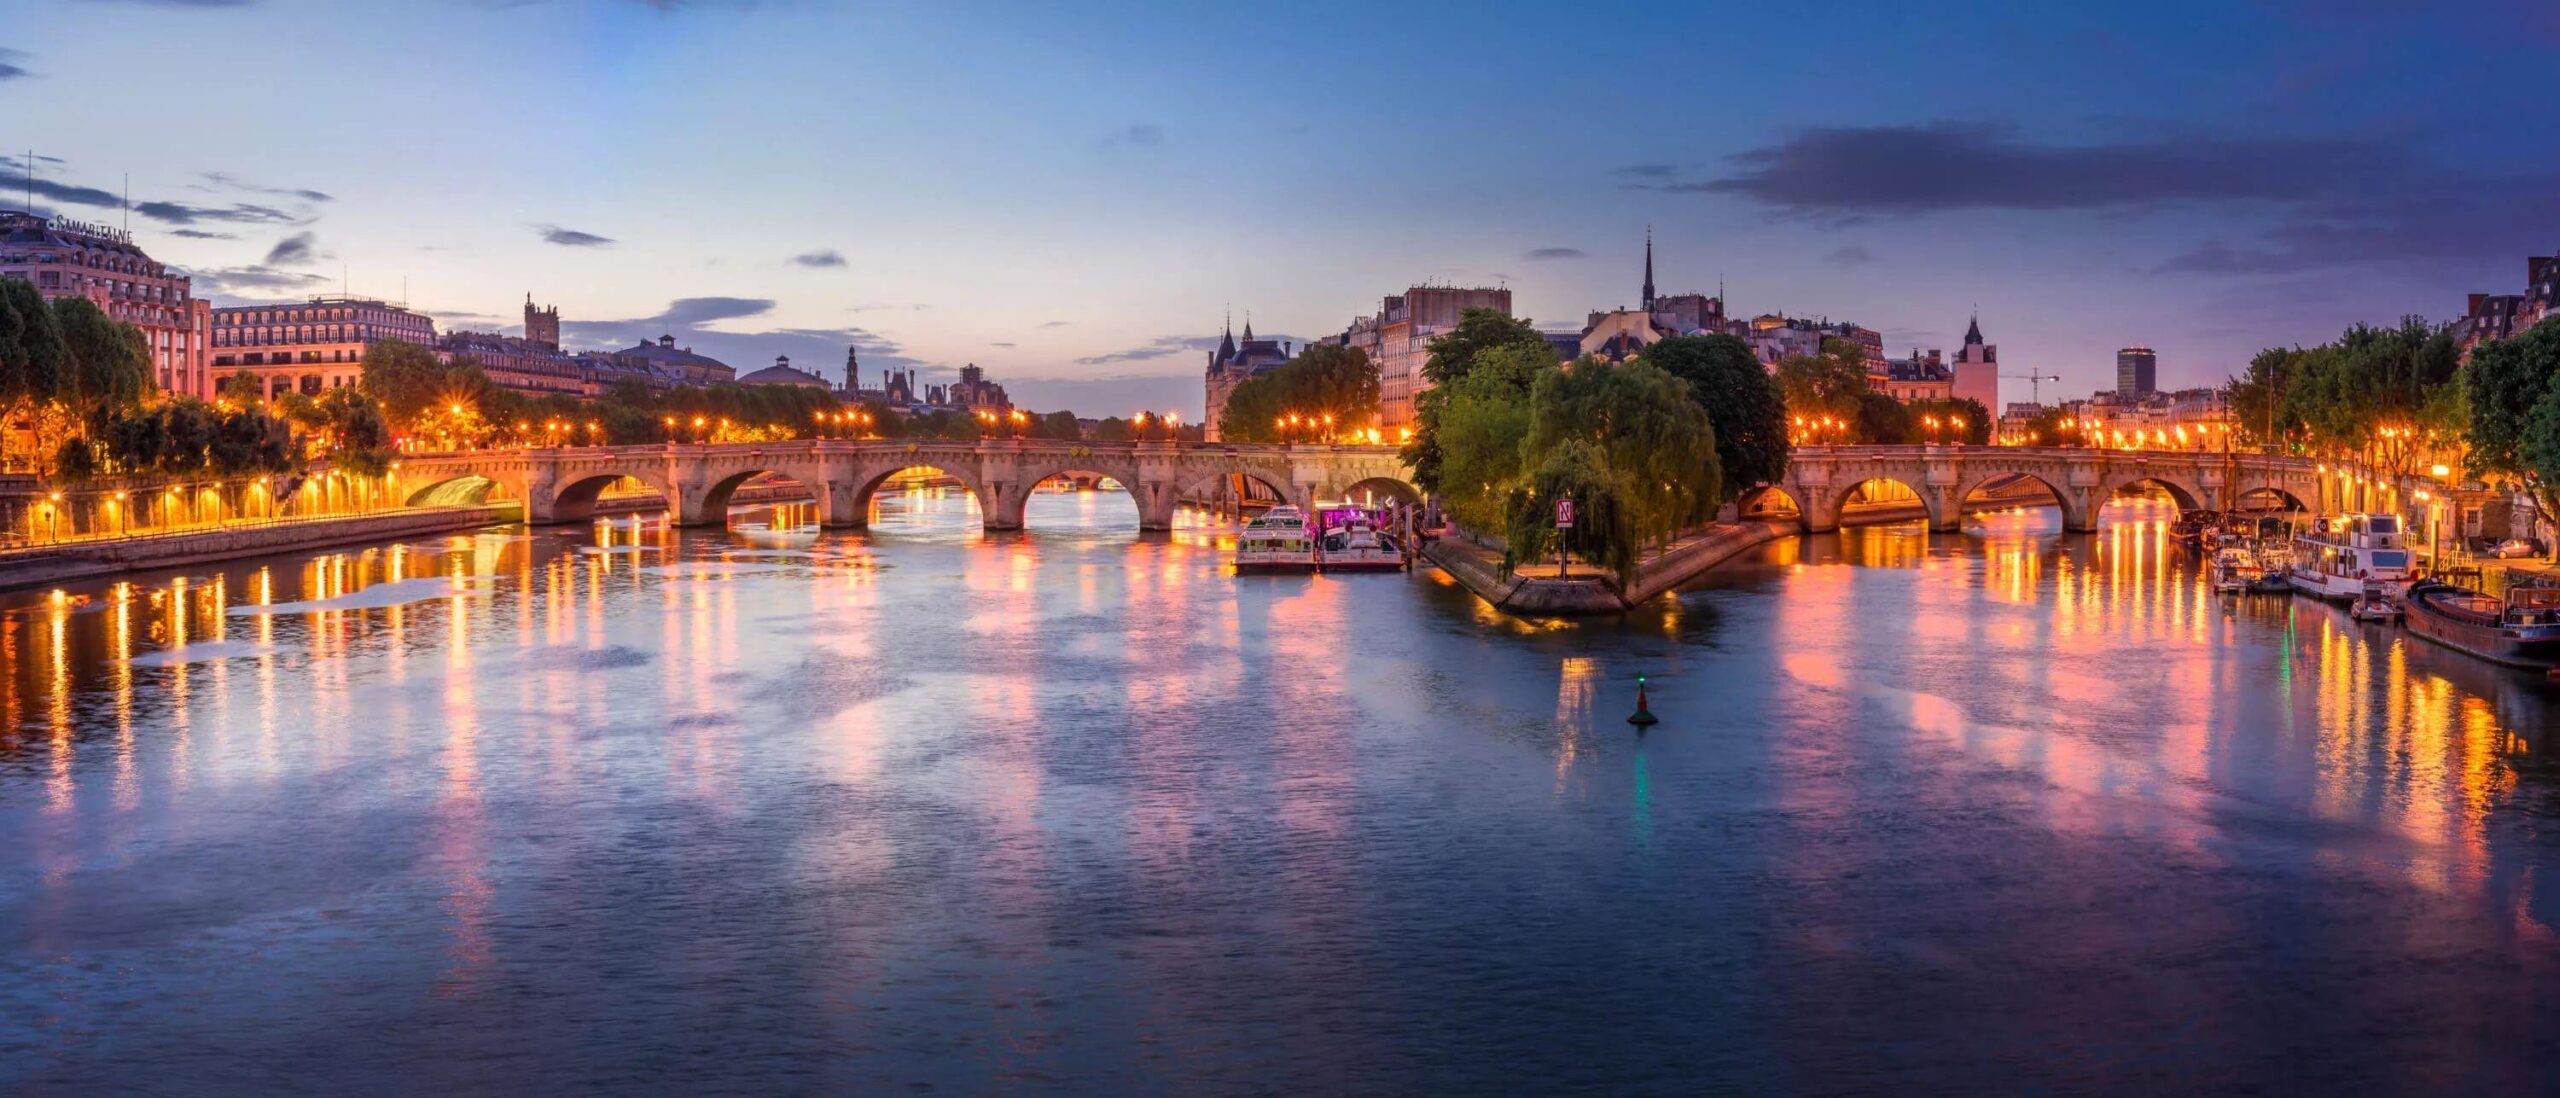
[[677, 364], [783, 373], [1919, 377], [521, 365], [1234, 363], [1399, 339], [1977, 368], [2137, 373], [2497, 316], [309, 347], [66, 258]]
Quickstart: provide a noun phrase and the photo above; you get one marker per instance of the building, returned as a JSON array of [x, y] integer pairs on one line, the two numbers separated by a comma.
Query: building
[[1620, 334], [678, 364], [312, 346], [66, 258], [974, 393], [1977, 368], [520, 365], [541, 326], [1232, 364], [2137, 373], [1399, 339], [782, 373], [2497, 316], [1919, 377]]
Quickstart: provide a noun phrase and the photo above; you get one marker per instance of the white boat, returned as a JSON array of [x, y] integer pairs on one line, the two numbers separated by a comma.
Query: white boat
[[2235, 570], [1276, 541], [2373, 603], [2338, 555], [1358, 546]]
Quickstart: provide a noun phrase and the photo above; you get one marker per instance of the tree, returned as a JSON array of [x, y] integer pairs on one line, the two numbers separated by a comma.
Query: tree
[[2506, 386], [109, 363], [1825, 384], [242, 389], [1882, 421], [1452, 355], [1976, 419], [361, 435], [1324, 380], [33, 358], [1060, 425], [405, 378], [1742, 400], [1483, 422], [1626, 438]]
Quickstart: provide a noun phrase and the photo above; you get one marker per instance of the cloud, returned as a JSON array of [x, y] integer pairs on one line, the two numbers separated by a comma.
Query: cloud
[[824, 258], [1850, 256], [1556, 253], [1139, 134], [572, 238], [1166, 346], [2455, 223], [295, 249], [1054, 324], [684, 315], [233, 280], [9, 68], [200, 234], [1647, 171], [1837, 172], [232, 182], [999, 345], [246, 213]]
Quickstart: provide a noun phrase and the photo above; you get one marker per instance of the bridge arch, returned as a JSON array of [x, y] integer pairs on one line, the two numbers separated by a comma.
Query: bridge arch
[[709, 506], [2277, 491], [1842, 495], [574, 498], [1366, 489], [1192, 480], [2184, 493], [1770, 502], [1008, 512], [461, 488], [853, 507], [1996, 480]]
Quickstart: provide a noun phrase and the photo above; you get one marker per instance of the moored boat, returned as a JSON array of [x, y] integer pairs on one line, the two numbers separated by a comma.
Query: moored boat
[[2522, 629], [1276, 541], [1359, 546], [2374, 604], [2338, 555]]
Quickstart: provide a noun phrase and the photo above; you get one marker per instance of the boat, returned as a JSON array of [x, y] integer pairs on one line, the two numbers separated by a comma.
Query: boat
[[1358, 546], [2374, 603], [2522, 629], [2235, 570], [2339, 554], [1276, 541], [2273, 560]]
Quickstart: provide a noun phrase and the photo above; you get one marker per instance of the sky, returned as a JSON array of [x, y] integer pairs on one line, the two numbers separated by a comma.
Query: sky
[[1077, 196]]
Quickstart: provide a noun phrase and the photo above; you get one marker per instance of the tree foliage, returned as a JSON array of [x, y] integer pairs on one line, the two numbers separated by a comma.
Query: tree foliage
[[1742, 400], [1325, 379], [2511, 390], [1453, 354], [1626, 438], [1830, 383]]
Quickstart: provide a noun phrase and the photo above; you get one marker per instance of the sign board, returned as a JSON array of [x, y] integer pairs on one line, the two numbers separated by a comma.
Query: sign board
[[1564, 512]]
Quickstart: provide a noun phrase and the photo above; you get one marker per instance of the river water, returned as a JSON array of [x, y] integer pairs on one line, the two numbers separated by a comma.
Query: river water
[[923, 808]]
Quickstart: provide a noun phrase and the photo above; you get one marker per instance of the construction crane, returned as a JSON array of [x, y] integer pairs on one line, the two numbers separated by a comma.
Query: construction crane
[[2035, 386]]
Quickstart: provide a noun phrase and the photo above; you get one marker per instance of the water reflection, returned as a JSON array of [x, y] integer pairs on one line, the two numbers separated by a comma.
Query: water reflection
[[923, 805]]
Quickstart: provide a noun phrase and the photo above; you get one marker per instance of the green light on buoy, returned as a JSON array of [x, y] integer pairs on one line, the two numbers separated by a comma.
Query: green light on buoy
[[1644, 713]]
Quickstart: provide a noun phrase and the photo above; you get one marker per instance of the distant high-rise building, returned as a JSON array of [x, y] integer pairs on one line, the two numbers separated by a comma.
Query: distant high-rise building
[[1978, 368], [2137, 373]]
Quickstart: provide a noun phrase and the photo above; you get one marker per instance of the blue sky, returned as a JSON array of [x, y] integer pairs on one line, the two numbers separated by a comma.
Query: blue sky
[[1073, 195]]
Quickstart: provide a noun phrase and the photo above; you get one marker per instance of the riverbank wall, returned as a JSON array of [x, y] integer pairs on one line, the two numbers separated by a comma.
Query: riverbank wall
[[1480, 570], [91, 559]]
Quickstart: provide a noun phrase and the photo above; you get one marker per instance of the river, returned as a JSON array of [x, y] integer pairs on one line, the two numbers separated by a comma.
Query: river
[[1074, 809]]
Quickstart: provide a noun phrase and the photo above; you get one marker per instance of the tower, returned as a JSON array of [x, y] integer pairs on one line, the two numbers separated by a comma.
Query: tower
[[852, 369], [1978, 369], [541, 326], [1648, 268]]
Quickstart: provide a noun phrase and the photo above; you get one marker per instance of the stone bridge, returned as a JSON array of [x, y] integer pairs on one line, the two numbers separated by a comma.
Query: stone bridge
[[1821, 479], [561, 484]]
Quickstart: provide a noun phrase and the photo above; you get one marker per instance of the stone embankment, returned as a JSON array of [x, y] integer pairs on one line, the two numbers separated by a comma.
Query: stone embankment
[[88, 559]]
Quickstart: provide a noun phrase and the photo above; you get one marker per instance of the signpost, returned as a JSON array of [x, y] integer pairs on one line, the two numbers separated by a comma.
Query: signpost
[[1564, 522]]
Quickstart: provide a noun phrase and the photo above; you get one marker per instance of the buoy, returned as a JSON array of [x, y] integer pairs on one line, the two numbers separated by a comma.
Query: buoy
[[1644, 712]]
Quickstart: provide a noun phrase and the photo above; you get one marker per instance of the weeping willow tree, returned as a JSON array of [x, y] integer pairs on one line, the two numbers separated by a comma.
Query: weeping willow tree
[[1635, 454]]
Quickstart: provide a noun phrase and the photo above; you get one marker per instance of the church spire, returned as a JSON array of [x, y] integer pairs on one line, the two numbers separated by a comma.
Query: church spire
[[1648, 268], [1248, 325], [1973, 331]]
